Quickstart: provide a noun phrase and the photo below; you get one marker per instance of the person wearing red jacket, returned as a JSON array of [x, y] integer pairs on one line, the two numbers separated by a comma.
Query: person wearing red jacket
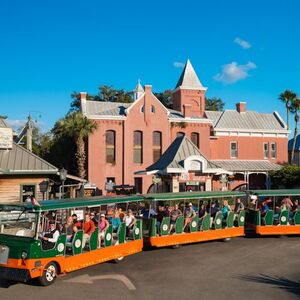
[[88, 229]]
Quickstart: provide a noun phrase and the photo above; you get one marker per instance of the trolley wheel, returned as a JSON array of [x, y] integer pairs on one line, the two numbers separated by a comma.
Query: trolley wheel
[[176, 246], [119, 259], [49, 274], [226, 239]]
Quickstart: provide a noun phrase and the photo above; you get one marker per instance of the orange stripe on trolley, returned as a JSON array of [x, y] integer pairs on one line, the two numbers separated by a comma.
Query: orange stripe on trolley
[[278, 230]]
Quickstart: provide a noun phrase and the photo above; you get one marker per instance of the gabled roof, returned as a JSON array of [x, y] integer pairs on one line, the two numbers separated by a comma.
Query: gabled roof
[[232, 119], [2, 123], [173, 158], [189, 79], [19, 160], [247, 165]]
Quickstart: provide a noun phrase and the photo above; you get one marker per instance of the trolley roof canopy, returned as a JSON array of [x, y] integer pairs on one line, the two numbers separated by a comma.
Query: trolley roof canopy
[[275, 193]]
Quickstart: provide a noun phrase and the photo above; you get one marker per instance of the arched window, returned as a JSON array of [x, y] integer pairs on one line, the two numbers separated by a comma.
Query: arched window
[[152, 109], [138, 147], [157, 145], [195, 138], [142, 108], [110, 146], [180, 134]]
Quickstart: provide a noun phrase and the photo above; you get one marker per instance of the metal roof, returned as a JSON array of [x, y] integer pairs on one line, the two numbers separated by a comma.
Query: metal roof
[[181, 148], [193, 195], [189, 79], [19, 160], [232, 119], [70, 203], [2, 123], [106, 108], [247, 165]]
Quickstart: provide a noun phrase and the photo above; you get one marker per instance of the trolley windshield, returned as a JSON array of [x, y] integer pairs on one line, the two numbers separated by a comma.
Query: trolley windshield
[[17, 221]]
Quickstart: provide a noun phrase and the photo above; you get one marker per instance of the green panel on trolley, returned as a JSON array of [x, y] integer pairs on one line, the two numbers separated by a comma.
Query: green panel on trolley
[[194, 224], [297, 217], [206, 223], [93, 243], [108, 236], [77, 242], [153, 229], [122, 233], [179, 224], [230, 219], [165, 226], [137, 230], [284, 217], [269, 217], [241, 218], [257, 217], [218, 220]]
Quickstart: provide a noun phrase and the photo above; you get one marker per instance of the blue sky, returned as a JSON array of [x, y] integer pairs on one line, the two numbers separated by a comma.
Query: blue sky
[[241, 50]]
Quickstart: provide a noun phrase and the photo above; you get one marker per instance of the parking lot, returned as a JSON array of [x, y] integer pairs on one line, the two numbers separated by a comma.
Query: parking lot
[[243, 268]]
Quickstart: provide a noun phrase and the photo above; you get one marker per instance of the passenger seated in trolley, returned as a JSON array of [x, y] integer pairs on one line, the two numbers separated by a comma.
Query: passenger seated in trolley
[[116, 221], [202, 213], [162, 213], [295, 207], [253, 202], [103, 225], [69, 229], [88, 229], [50, 237], [189, 214], [129, 221], [238, 207], [174, 214], [225, 209], [213, 209]]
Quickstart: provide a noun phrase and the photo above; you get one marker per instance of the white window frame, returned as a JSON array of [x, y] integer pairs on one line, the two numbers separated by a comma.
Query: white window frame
[[266, 151], [236, 150], [274, 152]]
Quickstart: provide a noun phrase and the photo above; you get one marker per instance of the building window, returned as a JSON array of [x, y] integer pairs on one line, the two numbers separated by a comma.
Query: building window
[[180, 134], [233, 150], [266, 150], [273, 150], [27, 191], [195, 139], [157, 145], [138, 147], [138, 184], [110, 182], [142, 108], [152, 109], [110, 146]]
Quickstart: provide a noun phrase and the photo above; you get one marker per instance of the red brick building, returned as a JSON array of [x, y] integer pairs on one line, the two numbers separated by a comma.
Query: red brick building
[[131, 137]]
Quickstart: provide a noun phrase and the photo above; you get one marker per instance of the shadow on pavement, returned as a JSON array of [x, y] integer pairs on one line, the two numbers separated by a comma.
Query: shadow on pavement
[[281, 282]]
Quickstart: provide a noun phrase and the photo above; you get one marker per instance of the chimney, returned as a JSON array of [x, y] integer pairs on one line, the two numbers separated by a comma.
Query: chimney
[[187, 110], [241, 107], [83, 96]]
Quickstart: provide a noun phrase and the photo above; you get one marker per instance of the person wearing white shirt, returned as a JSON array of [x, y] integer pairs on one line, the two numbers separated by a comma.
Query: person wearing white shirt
[[50, 238], [129, 221]]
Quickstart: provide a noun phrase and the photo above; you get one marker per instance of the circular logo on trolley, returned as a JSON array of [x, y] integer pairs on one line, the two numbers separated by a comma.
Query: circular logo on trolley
[[194, 224], [61, 247], [77, 243], [283, 219], [242, 219], [165, 227], [137, 231], [218, 221], [108, 237]]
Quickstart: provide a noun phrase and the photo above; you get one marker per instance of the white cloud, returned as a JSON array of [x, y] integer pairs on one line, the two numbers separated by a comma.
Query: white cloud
[[15, 124], [178, 64], [244, 44], [234, 72]]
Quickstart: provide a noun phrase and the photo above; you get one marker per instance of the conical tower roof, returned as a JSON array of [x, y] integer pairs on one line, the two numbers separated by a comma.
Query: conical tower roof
[[189, 78], [139, 88]]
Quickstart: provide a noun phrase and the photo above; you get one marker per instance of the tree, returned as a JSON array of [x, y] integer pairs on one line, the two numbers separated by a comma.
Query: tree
[[77, 127], [215, 104], [287, 97], [288, 176], [165, 98], [295, 107]]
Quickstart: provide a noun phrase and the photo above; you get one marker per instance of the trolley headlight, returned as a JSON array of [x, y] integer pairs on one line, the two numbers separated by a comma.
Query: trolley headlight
[[24, 254]]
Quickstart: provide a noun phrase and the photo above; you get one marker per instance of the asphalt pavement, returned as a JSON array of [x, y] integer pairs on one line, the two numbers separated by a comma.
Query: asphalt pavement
[[243, 268]]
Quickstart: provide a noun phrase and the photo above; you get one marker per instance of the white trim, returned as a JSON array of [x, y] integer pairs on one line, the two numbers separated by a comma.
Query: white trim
[[190, 88], [105, 117], [134, 103], [251, 130], [190, 120]]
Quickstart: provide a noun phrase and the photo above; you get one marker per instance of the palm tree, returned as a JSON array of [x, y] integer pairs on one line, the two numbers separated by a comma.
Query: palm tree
[[287, 97], [295, 107], [78, 127]]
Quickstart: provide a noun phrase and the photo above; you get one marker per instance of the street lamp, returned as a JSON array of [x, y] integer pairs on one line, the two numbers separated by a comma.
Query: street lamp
[[63, 176]]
